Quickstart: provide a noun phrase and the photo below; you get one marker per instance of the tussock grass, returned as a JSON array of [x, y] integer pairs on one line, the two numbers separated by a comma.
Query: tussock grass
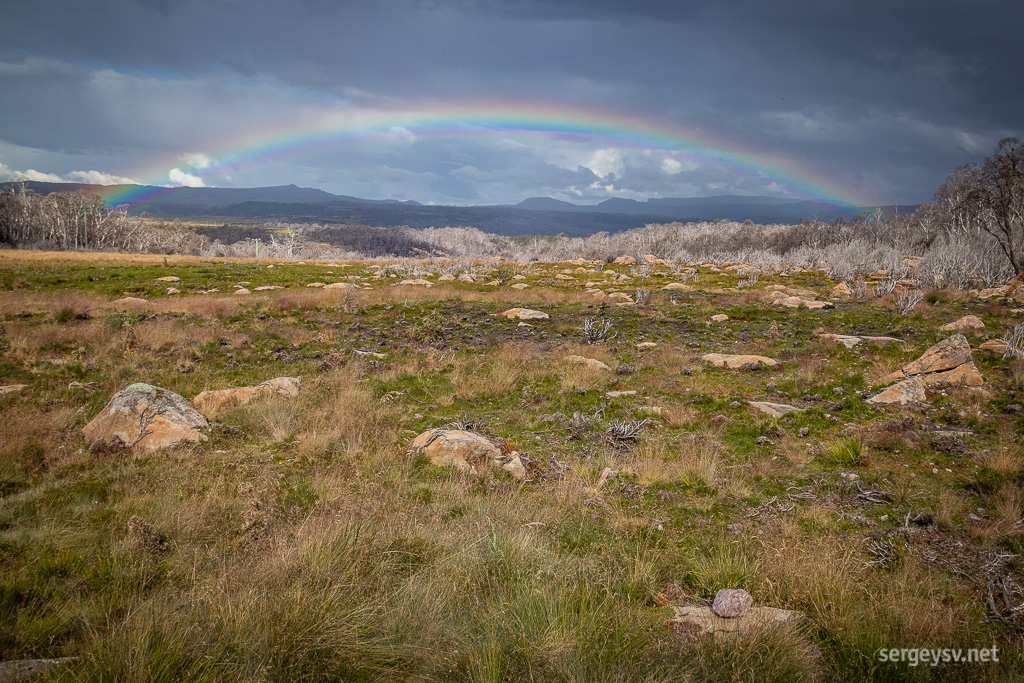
[[308, 544]]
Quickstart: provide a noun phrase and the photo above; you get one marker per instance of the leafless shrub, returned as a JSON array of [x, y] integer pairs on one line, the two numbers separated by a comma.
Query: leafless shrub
[[1015, 342], [906, 299], [625, 430], [641, 296], [596, 330]]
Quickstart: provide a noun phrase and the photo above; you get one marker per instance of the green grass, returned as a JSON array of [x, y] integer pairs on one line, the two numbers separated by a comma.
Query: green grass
[[307, 544]]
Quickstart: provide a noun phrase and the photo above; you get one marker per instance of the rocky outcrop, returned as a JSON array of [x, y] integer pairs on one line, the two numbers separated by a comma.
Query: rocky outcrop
[[212, 402], [739, 362], [142, 417], [467, 452], [948, 362]]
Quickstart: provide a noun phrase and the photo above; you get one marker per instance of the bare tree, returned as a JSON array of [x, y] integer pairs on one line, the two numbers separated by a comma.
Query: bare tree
[[990, 198]]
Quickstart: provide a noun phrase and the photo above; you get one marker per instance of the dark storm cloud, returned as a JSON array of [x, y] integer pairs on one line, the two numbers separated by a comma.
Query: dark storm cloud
[[887, 97]]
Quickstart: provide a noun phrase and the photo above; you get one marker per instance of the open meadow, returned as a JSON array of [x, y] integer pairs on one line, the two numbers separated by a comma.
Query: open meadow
[[301, 538]]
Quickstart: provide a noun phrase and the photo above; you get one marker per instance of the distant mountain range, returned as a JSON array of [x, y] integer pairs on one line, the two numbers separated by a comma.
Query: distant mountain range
[[534, 216]]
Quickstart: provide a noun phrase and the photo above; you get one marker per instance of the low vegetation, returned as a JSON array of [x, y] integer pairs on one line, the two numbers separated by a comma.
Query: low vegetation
[[302, 540]]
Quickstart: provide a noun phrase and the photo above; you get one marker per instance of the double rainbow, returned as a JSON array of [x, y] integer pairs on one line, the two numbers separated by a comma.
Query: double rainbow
[[500, 123]]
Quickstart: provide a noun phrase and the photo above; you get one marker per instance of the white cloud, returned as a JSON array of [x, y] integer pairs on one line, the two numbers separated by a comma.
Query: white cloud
[[197, 160], [182, 179], [89, 177], [606, 162], [672, 166], [99, 178]]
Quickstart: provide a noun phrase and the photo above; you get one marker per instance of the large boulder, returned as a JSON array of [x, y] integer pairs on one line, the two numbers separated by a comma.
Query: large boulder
[[466, 451], [948, 362], [946, 355], [211, 402], [143, 417]]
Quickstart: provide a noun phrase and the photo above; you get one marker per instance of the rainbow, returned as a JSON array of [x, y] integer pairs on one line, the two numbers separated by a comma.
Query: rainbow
[[494, 123]]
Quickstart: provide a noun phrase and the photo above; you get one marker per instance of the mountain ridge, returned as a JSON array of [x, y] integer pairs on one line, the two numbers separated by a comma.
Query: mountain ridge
[[532, 216]]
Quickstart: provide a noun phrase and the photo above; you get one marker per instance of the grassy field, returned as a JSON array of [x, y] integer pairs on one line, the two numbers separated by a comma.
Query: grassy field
[[301, 541]]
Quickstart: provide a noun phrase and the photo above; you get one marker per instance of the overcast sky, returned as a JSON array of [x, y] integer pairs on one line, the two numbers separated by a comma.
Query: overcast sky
[[875, 100]]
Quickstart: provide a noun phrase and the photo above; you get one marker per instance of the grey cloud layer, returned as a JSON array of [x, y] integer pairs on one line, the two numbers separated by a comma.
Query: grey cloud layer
[[885, 96]]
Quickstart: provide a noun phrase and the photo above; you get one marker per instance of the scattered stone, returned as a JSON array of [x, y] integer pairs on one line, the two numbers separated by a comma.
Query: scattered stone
[[169, 278], [720, 318], [739, 362], [797, 302], [242, 291], [851, 340], [267, 288], [316, 285], [466, 451], [732, 602], [131, 302], [591, 363], [172, 290], [775, 409], [996, 346], [677, 287], [212, 402], [804, 431], [620, 394], [646, 345], [966, 324], [621, 296], [447, 277], [838, 391], [520, 285], [524, 314], [142, 417], [841, 291], [419, 282], [908, 391], [12, 389], [369, 354], [349, 285]]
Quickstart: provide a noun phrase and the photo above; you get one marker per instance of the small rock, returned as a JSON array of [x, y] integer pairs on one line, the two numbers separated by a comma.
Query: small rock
[[620, 394], [804, 431], [732, 602], [774, 409], [592, 363], [11, 389], [965, 325], [212, 402], [738, 362], [524, 314], [169, 278], [720, 318]]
